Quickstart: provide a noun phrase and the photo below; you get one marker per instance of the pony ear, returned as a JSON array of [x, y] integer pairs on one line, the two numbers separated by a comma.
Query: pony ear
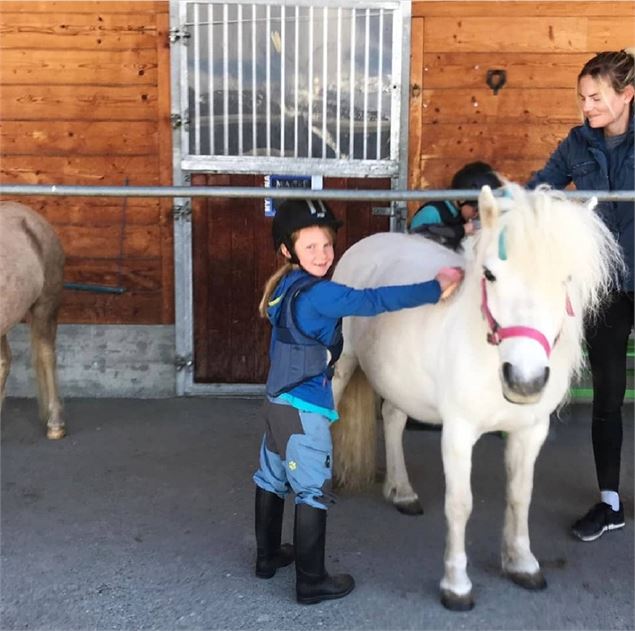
[[487, 207], [592, 203]]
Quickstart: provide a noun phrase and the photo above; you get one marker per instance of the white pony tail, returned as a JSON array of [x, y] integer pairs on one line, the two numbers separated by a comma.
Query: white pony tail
[[355, 435]]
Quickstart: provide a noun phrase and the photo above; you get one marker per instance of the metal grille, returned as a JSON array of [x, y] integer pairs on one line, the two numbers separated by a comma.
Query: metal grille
[[263, 81]]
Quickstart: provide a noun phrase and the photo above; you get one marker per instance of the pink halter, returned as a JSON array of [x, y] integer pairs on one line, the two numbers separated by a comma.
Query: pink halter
[[497, 333]]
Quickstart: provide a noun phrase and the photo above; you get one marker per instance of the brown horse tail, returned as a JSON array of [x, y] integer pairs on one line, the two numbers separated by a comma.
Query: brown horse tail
[[354, 435]]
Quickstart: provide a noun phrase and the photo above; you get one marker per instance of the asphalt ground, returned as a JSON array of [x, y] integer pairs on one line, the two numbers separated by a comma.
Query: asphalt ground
[[142, 518]]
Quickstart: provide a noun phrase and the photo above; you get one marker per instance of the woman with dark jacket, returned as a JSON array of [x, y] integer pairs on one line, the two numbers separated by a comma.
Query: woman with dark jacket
[[598, 155]]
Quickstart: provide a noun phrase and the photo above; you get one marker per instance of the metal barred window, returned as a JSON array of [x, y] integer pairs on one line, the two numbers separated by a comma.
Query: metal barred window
[[298, 86]]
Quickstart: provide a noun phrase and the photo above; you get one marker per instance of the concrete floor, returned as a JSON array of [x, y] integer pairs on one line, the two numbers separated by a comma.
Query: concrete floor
[[142, 519]]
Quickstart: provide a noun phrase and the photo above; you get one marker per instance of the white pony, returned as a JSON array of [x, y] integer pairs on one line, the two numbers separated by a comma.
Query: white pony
[[497, 355]]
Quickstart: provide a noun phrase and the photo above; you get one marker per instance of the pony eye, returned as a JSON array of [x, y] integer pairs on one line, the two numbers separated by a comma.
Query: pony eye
[[488, 275]]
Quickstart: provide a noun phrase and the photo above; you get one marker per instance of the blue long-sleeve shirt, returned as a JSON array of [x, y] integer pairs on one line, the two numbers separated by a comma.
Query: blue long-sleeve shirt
[[317, 311]]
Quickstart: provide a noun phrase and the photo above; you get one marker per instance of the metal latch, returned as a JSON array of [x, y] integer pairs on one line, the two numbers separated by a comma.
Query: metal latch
[[383, 211], [393, 210]]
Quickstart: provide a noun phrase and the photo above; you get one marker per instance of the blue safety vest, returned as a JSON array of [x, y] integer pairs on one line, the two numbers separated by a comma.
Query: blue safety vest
[[294, 356]]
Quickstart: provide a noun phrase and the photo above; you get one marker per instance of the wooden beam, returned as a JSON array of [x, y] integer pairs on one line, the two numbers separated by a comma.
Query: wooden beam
[[96, 211], [87, 138], [139, 274], [481, 105], [77, 31], [520, 8], [497, 34], [524, 70], [138, 307], [73, 6], [78, 103], [83, 170], [87, 241], [496, 142], [68, 67]]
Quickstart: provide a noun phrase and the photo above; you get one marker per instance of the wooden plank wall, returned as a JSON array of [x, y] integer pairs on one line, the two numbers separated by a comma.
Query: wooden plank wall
[[84, 99], [454, 116]]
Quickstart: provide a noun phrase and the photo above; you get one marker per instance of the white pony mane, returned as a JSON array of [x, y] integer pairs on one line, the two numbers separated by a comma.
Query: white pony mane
[[548, 233], [561, 240]]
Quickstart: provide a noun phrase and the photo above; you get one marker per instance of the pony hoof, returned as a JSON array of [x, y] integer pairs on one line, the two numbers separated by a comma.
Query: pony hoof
[[454, 602], [534, 582], [410, 508], [55, 433]]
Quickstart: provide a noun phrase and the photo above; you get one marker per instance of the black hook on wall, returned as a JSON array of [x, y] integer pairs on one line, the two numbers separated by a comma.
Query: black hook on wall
[[496, 79]]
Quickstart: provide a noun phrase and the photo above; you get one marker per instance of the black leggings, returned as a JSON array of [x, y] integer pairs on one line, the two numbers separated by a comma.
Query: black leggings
[[607, 340]]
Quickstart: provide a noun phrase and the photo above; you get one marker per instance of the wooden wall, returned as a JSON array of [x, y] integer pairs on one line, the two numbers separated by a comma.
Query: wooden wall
[[455, 117], [84, 99]]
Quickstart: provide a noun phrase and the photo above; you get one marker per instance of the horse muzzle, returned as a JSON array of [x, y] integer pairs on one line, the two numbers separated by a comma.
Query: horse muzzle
[[519, 389]]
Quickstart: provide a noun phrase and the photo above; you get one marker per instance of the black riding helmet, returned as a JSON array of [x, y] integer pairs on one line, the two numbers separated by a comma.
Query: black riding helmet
[[295, 214], [475, 175]]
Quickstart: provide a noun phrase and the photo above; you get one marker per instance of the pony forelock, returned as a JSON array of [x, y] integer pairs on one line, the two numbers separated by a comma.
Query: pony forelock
[[551, 234]]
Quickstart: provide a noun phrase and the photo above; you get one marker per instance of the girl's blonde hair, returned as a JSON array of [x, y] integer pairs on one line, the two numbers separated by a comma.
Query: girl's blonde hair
[[271, 284], [282, 271]]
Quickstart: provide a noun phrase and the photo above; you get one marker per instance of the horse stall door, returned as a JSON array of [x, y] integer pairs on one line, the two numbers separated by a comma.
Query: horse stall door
[[233, 258]]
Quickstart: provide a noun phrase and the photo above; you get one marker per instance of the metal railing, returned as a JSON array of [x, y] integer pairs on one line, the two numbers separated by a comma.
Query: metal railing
[[255, 192], [185, 385]]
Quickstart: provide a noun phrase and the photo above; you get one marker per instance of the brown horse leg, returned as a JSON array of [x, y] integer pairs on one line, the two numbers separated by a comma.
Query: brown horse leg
[[43, 333], [5, 366]]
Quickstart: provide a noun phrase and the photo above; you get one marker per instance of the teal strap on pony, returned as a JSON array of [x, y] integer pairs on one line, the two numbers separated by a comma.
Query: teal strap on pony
[[502, 245], [502, 237]]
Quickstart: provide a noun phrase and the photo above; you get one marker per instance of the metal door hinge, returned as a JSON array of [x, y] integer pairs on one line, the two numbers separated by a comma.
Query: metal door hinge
[[183, 362], [177, 121], [179, 34], [182, 212]]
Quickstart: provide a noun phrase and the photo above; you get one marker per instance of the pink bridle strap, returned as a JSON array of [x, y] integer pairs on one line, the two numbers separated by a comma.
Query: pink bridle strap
[[498, 333]]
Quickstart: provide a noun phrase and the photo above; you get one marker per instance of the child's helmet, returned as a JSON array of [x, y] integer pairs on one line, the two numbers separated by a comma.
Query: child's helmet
[[475, 175], [295, 214]]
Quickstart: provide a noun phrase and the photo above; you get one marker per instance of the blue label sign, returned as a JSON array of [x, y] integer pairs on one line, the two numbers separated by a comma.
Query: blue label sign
[[283, 181]]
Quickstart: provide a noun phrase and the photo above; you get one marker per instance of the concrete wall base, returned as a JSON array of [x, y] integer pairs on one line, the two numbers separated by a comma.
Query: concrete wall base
[[101, 361]]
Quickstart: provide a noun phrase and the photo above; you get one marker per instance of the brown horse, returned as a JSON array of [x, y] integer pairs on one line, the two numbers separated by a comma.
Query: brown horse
[[31, 284]]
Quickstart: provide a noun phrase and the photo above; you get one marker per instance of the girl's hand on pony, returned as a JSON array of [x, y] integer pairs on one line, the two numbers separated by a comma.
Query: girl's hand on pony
[[469, 227], [449, 278]]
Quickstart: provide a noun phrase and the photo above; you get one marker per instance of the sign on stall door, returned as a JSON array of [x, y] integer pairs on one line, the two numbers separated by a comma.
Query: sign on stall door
[[288, 181]]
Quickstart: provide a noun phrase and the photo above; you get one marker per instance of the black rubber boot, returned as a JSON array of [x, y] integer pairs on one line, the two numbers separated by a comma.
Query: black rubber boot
[[270, 554], [313, 583]]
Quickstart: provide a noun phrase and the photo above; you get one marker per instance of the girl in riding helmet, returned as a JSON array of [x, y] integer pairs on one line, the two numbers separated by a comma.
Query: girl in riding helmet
[[305, 310], [447, 221]]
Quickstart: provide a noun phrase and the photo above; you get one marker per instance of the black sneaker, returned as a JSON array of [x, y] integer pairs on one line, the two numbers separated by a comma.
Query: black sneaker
[[597, 521]]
